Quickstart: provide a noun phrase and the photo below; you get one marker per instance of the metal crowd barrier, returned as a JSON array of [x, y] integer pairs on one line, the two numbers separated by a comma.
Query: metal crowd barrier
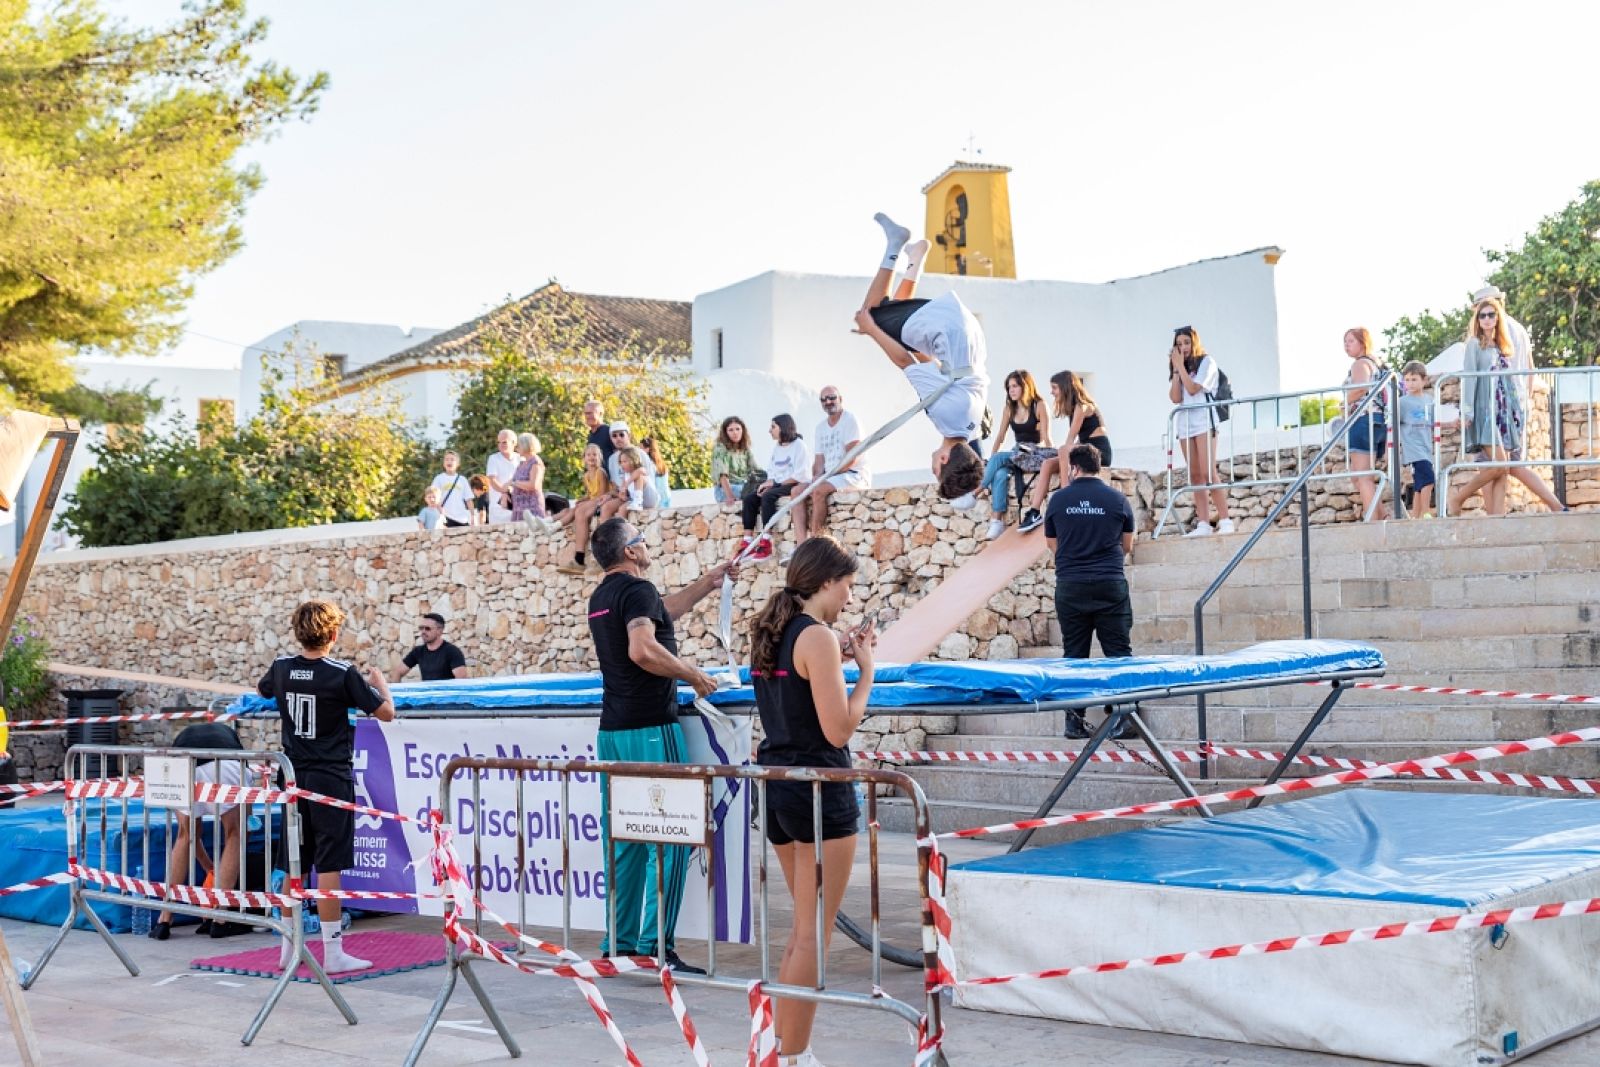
[[106, 804], [458, 965], [1273, 423], [1562, 381]]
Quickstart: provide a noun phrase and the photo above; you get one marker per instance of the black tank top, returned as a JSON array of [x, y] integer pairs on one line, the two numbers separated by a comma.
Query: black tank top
[[793, 733], [1027, 431], [1091, 426]]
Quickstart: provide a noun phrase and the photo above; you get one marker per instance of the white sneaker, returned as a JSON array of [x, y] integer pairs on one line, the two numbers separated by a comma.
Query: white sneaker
[[1201, 529], [996, 528], [335, 960], [964, 502], [804, 1059], [1225, 526]]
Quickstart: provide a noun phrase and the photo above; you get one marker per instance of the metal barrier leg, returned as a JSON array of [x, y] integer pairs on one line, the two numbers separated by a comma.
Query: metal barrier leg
[[1159, 751], [105, 935], [456, 965], [1323, 711], [1072, 772], [76, 908]]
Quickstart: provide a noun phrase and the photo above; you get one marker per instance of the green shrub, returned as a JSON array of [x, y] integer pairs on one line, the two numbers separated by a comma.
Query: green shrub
[[23, 670]]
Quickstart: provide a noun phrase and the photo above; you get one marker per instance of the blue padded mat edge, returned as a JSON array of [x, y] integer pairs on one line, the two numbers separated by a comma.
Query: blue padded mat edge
[[996, 682], [1454, 850]]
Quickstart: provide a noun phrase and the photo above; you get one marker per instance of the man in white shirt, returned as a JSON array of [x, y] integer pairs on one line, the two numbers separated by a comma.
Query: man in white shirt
[[836, 435], [455, 495], [501, 468]]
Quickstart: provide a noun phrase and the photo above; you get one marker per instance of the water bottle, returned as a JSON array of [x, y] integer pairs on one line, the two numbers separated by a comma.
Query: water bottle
[[141, 916]]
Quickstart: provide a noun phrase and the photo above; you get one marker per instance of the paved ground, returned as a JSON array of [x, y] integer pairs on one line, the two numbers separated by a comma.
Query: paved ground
[[87, 1010]]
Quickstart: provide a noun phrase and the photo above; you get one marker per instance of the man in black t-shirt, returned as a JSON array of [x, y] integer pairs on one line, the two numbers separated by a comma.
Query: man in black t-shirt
[[594, 419], [1089, 527], [315, 693], [634, 640], [439, 659]]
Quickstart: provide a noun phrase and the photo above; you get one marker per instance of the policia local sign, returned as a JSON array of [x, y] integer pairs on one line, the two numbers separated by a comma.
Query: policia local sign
[[667, 811]]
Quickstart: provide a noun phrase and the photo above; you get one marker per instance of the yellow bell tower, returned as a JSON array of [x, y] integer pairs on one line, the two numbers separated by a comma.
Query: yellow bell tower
[[969, 221]]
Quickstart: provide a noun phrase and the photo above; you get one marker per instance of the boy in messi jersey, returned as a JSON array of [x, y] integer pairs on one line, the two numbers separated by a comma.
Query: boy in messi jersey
[[314, 692]]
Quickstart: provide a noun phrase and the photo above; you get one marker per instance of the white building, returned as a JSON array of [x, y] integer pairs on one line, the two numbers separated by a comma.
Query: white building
[[769, 343], [340, 347]]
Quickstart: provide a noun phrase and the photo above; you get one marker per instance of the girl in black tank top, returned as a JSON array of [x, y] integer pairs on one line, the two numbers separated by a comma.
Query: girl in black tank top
[[808, 721]]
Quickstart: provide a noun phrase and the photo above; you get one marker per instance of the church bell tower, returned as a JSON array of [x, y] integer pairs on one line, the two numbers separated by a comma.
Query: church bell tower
[[969, 221]]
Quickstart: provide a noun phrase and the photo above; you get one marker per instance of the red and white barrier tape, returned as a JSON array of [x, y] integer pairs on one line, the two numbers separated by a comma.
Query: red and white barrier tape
[[1446, 690], [763, 1029], [1441, 925], [983, 756], [153, 716], [32, 788], [451, 876], [680, 1011], [1298, 785], [216, 793], [187, 894], [37, 883]]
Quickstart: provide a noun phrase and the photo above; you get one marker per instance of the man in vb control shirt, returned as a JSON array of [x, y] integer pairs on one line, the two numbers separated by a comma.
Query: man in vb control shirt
[[1089, 528], [637, 646], [315, 693]]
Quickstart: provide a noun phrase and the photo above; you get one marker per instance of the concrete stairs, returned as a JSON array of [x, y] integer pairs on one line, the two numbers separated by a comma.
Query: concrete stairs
[[1508, 604]]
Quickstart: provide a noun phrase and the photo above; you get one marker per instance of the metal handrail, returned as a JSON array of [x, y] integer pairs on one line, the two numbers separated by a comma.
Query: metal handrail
[[1299, 487], [1386, 477]]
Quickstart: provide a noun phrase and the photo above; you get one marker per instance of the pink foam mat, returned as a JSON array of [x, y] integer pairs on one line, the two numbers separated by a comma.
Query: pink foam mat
[[390, 951]]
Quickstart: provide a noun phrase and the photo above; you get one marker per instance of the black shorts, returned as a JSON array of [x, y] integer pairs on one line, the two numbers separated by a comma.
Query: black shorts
[[891, 315], [789, 812], [327, 834], [1421, 473]]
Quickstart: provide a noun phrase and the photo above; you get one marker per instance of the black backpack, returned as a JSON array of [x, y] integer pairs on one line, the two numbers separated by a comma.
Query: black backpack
[[1224, 391]]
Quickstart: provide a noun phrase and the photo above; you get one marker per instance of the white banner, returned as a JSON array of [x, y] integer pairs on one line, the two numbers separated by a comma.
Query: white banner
[[398, 765]]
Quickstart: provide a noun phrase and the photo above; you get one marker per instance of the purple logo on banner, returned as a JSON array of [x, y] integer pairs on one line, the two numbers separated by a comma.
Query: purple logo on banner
[[383, 856]]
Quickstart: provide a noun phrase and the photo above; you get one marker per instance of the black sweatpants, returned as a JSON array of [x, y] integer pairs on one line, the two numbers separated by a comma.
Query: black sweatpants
[[766, 503], [1094, 608]]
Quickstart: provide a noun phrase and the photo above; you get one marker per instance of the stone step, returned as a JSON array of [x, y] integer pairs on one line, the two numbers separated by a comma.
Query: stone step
[[1332, 591], [1499, 662], [1565, 621], [895, 814], [1355, 723], [1427, 535]]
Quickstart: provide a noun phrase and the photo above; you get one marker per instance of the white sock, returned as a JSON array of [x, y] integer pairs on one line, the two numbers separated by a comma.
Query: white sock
[[897, 236], [334, 957], [916, 253]]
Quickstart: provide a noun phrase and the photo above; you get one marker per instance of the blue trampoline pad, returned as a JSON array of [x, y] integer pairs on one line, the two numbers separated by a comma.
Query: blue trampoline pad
[[1455, 850], [935, 683]]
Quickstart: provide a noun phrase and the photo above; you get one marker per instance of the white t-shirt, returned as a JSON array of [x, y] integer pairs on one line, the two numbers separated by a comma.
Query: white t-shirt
[[455, 497], [790, 462], [944, 329], [502, 470], [833, 441], [959, 412], [1198, 421], [207, 773]]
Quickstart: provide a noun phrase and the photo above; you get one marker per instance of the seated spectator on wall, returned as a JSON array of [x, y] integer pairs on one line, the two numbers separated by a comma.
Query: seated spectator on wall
[[837, 434], [609, 505], [732, 462], [637, 484], [595, 484], [455, 492], [791, 458], [1026, 417], [430, 516], [1085, 426], [663, 488], [527, 483], [438, 659], [501, 468], [481, 491]]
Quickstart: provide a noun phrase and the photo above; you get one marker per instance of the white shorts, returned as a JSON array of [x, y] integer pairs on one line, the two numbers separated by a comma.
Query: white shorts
[[1193, 422], [944, 329], [207, 773], [850, 481], [959, 412]]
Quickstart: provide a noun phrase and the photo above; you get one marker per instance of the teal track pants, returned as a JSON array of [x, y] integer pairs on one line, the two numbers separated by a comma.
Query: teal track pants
[[632, 883]]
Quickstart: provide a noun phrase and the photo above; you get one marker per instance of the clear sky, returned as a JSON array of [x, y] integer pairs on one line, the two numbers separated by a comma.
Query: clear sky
[[469, 151]]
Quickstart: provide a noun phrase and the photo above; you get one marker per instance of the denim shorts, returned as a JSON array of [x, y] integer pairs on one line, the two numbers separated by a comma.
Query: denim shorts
[[1364, 434]]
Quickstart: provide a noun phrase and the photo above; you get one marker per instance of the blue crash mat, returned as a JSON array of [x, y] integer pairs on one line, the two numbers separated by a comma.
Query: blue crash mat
[[1456, 850], [930, 684]]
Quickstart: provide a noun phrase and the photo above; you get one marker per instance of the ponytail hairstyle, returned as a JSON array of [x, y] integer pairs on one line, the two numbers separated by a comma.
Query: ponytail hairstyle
[[818, 561]]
